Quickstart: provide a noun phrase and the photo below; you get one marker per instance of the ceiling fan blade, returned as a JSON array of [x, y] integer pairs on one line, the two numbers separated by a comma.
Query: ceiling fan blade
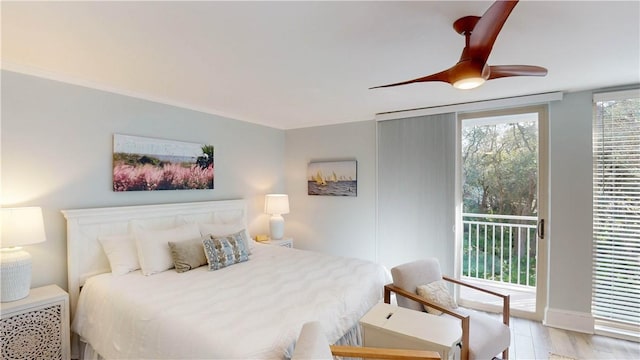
[[500, 71], [441, 76], [486, 30], [480, 35]]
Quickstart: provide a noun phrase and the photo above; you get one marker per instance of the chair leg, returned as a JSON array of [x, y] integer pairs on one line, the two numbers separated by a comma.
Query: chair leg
[[464, 352], [505, 354]]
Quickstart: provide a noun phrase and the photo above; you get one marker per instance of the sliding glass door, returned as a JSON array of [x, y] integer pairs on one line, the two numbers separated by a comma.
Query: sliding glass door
[[501, 225]]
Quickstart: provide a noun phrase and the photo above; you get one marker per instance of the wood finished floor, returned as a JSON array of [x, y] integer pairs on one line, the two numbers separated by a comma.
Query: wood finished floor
[[532, 340]]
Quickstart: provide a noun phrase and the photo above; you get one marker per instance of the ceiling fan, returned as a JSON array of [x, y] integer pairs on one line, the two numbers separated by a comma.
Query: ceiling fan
[[480, 34]]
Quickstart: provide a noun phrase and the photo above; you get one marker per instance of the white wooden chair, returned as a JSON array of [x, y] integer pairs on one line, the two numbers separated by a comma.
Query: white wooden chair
[[483, 337]]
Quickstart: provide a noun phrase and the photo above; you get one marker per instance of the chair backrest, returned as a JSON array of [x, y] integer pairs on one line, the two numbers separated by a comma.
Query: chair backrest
[[411, 275]]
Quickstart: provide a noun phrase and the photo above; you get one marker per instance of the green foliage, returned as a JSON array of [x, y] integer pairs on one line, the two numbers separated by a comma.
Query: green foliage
[[208, 149], [482, 259], [500, 168], [205, 160], [520, 277], [481, 265]]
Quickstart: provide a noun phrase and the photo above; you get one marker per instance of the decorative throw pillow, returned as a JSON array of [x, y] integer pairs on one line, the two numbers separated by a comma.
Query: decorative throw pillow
[[207, 229], [187, 255], [438, 293], [121, 252], [223, 251], [153, 247]]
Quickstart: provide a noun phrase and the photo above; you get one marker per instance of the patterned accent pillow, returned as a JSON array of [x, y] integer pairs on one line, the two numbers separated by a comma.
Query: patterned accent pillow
[[438, 293], [223, 251], [225, 229]]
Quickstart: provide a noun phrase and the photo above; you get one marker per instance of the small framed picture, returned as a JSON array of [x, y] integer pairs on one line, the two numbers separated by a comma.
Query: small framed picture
[[333, 178]]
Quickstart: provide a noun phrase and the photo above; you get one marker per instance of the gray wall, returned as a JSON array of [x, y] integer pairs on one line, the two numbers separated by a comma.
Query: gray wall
[[336, 225], [56, 144], [570, 207]]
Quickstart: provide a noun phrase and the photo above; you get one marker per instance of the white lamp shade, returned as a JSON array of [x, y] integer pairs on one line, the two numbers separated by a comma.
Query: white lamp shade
[[22, 226], [276, 204]]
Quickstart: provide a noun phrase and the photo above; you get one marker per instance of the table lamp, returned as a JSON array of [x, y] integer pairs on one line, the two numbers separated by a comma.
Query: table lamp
[[20, 226], [276, 205]]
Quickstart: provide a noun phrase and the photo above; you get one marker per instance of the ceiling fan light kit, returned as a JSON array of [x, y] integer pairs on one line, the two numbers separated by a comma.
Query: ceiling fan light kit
[[468, 74], [480, 34], [468, 83]]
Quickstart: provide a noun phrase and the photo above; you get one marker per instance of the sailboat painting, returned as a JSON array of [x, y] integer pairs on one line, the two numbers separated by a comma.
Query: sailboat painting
[[333, 178]]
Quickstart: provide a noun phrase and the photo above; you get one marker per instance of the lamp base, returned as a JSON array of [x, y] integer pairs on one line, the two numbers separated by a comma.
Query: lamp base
[[15, 274], [276, 227]]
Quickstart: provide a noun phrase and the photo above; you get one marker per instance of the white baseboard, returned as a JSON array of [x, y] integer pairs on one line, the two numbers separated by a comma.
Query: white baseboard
[[569, 320]]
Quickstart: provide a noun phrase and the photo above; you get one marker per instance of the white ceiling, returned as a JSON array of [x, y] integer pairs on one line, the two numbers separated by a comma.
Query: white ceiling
[[298, 64]]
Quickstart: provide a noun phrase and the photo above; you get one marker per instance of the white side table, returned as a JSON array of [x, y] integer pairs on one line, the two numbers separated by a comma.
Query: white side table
[[394, 327], [36, 327], [285, 242]]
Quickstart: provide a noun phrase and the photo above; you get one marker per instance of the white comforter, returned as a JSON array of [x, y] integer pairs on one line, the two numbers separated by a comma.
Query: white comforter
[[251, 310]]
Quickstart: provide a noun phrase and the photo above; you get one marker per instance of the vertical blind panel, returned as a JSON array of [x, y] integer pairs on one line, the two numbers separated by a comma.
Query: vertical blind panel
[[616, 211], [416, 184]]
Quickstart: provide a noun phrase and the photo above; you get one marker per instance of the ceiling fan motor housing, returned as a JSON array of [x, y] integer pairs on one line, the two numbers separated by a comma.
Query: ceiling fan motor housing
[[468, 74]]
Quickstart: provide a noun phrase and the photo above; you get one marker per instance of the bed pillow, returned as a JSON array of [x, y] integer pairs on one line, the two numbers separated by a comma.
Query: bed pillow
[[226, 229], [187, 255], [223, 251], [438, 293], [153, 247], [121, 252]]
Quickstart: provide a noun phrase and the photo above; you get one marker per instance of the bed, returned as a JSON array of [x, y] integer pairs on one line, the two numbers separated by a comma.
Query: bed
[[251, 309]]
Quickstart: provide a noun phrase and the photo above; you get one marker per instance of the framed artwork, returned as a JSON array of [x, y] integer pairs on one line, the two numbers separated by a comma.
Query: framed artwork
[[147, 164], [333, 178]]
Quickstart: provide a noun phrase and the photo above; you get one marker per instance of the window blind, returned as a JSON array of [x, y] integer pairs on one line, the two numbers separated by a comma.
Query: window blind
[[616, 212], [416, 190]]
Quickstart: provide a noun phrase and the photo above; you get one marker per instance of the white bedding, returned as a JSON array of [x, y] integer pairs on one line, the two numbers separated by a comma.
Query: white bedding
[[250, 310]]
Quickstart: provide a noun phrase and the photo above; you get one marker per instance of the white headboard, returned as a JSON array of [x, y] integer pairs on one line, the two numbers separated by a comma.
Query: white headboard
[[85, 256]]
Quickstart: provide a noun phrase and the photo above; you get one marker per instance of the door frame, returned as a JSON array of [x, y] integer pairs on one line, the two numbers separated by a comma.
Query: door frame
[[542, 263]]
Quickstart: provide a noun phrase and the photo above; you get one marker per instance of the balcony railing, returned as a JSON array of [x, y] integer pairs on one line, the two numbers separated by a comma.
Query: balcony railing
[[500, 248]]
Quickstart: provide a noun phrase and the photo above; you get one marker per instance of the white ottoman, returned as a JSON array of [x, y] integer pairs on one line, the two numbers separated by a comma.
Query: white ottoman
[[394, 327]]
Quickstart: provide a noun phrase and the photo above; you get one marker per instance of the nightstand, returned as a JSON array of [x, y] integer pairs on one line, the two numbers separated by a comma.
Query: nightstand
[[285, 242], [36, 327]]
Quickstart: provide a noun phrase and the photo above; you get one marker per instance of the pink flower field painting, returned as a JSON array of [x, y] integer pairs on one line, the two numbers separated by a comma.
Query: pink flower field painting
[[144, 164]]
